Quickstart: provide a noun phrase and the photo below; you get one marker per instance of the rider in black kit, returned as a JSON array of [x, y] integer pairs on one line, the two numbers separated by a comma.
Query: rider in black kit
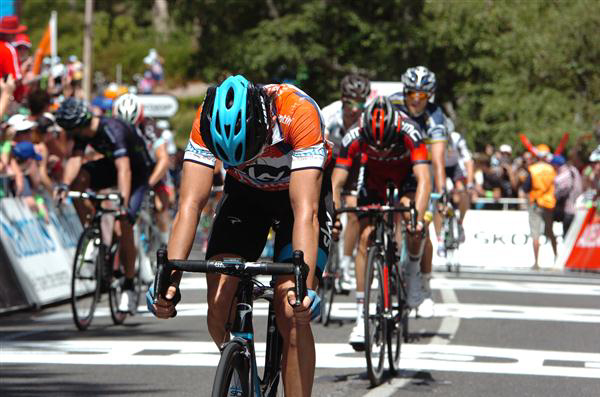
[[126, 164]]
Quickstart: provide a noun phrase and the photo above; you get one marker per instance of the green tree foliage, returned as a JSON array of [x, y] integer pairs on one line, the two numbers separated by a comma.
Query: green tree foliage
[[503, 66]]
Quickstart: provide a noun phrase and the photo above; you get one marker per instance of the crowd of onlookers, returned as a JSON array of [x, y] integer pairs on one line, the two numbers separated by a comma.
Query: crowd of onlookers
[[33, 148]]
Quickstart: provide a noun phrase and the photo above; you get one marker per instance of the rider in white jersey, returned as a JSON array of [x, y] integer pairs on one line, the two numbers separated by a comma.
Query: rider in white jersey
[[460, 170], [129, 108], [339, 117]]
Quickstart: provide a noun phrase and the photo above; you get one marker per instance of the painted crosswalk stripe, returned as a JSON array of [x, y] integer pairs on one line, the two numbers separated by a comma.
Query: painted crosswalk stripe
[[199, 283], [347, 311], [458, 358]]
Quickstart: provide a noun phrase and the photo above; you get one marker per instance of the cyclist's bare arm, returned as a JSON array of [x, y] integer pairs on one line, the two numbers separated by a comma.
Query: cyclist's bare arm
[[421, 172], [305, 188], [470, 165], [196, 184], [124, 177], [338, 179], [162, 165], [72, 167], [438, 157]]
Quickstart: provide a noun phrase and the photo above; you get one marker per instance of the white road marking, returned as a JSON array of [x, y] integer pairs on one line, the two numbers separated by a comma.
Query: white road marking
[[439, 282], [347, 311], [455, 358]]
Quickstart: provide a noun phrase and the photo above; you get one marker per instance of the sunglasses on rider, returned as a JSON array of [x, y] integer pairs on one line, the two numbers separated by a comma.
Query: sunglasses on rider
[[417, 95], [353, 104]]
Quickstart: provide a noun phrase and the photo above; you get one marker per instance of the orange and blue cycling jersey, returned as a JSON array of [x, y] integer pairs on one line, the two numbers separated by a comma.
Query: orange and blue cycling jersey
[[297, 142]]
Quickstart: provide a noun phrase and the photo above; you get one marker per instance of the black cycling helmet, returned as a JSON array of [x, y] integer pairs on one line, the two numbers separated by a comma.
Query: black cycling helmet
[[380, 124], [73, 113], [234, 124], [355, 86]]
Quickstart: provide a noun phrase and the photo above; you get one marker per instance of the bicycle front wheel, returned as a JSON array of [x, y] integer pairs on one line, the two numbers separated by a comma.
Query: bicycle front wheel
[[396, 324], [233, 372], [86, 279], [329, 280], [375, 323]]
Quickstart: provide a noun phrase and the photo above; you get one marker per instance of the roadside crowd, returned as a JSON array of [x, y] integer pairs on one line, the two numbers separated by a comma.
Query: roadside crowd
[[33, 148]]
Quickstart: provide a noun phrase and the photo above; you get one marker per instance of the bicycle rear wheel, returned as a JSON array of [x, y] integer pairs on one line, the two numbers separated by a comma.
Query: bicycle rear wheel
[[233, 372], [375, 323], [86, 279]]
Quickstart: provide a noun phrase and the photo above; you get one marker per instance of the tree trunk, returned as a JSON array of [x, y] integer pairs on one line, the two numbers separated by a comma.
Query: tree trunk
[[160, 18]]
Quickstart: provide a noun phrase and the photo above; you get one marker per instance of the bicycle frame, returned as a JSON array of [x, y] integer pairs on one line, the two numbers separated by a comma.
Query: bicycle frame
[[247, 291], [384, 235]]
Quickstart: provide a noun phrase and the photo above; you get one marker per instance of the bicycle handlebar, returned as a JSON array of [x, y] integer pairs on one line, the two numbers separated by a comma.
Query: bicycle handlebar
[[379, 209], [232, 267], [92, 196]]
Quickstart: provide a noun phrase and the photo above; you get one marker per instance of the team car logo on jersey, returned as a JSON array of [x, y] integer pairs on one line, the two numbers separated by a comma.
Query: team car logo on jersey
[[284, 119]]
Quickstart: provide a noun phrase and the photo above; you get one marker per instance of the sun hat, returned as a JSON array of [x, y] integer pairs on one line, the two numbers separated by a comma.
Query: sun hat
[[10, 25]]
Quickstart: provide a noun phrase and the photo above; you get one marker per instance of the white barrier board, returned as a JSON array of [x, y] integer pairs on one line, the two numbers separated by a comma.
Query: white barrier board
[[500, 240], [41, 253]]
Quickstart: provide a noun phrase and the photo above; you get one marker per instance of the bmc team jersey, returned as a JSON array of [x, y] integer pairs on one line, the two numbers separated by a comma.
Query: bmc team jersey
[[297, 142], [382, 167], [115, 138], [431, 121]]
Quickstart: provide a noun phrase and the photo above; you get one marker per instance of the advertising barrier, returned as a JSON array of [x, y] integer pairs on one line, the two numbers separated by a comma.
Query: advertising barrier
[[12, 296], [40, 252], [500, 240], [585, 254]]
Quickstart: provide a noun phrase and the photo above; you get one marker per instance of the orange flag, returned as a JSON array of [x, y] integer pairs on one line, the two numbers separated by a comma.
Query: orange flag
[[44, 49]]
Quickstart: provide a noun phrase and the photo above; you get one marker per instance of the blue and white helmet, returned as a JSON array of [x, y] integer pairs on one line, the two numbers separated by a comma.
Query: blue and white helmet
[[234, 124], [419, 79]]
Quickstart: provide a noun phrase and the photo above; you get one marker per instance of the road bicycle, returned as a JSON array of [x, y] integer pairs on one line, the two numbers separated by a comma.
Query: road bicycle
[[147, 237], [450, 234], [237, 373], [330, 285], [385, 308], [96, 265]]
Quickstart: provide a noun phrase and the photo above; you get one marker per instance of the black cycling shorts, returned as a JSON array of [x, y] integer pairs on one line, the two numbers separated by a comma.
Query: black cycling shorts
[[373, 196], [455, 173], [245, 215], [103, 175]]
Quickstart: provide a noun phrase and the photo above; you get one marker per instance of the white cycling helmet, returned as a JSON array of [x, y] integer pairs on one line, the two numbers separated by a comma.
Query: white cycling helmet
[[129, 108], [595, 155], [419, 79]]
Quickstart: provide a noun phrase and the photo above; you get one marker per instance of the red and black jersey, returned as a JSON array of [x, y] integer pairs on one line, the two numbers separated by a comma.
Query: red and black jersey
[[394, 164]]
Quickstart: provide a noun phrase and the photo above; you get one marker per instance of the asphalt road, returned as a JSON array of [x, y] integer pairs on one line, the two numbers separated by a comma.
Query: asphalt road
[[494, 334]]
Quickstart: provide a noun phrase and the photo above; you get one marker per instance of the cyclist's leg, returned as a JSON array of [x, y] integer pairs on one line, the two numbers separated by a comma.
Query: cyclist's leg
[[162, 211], [127, 250], [414, 269], [298, 361], [351, 232], [239, 229]]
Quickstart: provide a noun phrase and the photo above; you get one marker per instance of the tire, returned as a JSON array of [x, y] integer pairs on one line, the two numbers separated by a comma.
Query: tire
[[233, 361], [375, 323], [86, 279], [396, 325], [116, 283], [329, 285]]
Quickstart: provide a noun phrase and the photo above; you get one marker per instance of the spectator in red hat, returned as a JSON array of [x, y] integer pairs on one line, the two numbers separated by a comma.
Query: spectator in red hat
[[9, 59]]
